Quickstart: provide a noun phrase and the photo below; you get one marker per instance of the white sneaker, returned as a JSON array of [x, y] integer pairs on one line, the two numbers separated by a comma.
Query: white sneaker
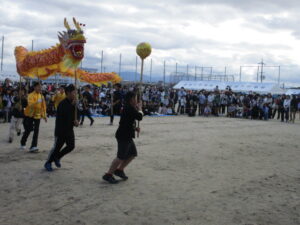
[[33, 149], [23, 147]]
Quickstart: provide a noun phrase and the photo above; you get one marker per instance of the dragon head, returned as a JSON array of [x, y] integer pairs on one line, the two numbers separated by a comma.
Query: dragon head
[[73, 40]]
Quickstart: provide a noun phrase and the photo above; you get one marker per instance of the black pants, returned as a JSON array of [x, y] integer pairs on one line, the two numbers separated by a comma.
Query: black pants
[[56, 152], [30, 124], [86, 112], [281, 113], [287, 114]]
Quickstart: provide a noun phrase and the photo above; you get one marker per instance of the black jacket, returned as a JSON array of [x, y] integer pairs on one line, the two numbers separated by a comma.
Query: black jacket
[[127, 123], [65, 118], [17, 110]]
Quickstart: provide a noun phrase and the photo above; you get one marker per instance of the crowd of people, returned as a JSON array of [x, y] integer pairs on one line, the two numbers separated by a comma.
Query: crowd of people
[[97, 101]]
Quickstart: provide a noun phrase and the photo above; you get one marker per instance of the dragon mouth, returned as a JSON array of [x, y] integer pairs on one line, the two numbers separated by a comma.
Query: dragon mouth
[[77, 49]]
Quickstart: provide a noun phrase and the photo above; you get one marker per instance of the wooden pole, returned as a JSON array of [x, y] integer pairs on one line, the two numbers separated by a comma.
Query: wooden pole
[[111, 99], [140, 91], [76, 95]]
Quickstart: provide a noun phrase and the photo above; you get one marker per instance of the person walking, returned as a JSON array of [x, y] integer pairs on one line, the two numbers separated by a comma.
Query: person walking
[[64, 133], [125, 134], [35, 110], [20, 103]]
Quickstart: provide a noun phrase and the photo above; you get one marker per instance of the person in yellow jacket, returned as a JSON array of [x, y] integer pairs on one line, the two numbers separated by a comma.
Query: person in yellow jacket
[[34, 112], [58, 97]]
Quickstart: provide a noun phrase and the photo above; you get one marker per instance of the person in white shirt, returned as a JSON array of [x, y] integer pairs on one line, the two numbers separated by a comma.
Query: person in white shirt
[[287, 106], [181, 95], [210, 99], [202, 102]]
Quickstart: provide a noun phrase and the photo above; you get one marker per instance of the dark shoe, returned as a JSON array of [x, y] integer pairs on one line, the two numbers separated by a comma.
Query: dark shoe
[[48, 167], [120, 173], [57, 163], [19, 133], [109, 178], [92, 123], [33, 149], [10, 140]]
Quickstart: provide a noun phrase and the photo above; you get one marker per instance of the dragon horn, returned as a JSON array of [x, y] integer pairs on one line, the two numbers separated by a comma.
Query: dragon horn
[[66, 24], [76, 24]]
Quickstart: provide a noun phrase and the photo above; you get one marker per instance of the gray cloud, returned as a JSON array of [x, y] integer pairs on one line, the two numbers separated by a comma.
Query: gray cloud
[[177, 30]]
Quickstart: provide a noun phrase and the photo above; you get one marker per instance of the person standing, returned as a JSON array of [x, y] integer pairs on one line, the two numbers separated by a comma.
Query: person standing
[[294, 108], [8, 102], [58, 97], [64, 133], [125, 134], [116, 103], [35, 110], [287, 106], [20, 103], [87, 100]]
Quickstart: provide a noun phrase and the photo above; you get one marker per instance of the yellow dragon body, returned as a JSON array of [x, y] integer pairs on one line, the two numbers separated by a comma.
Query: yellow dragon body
[[64, 59]]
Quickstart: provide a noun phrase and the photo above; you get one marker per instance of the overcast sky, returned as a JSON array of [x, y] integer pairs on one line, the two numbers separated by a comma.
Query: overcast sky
[[215, 33]]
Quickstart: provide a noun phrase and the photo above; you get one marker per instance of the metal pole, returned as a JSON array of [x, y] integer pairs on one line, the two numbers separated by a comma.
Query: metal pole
[[2, 53], [257, 74], [151, 70], [101, 68], [225, 77], [195, 73], [136, 64], [279, 74], [211, 69], [32, 45], [202, 73], [164, 73], [187, 71], [240, 73], [120, 62], [262, 71]]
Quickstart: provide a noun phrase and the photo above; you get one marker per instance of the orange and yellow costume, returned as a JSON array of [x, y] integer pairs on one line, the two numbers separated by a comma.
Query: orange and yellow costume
[[64, 58]]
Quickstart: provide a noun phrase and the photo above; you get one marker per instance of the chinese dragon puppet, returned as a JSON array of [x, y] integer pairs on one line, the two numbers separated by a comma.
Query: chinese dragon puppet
[[64, 59]]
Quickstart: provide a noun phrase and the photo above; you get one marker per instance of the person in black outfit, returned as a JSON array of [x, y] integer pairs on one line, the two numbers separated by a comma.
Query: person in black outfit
[[117, 103], [125, 134], [86, 101], [64, 133]]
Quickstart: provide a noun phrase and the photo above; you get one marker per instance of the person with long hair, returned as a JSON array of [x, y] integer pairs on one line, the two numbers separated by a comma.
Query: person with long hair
[[125, 134]]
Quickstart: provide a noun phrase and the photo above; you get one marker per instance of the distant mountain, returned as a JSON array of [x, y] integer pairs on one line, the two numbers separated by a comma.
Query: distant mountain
[[130, 76]]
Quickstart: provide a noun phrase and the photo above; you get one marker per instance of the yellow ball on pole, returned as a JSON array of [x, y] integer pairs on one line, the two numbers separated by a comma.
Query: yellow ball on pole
[[143, 50]]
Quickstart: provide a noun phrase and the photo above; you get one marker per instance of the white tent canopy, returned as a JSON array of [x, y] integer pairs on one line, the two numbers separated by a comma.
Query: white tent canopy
[[293, 92], [235, 86]]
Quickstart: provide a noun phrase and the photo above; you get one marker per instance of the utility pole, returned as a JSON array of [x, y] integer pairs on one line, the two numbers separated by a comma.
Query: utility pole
[[279, 74], [31, 45], [187, 71], [195, 73], [257, 74], [136, 64], [240, 73], [202, 73], [211, 69], [176, 77], [2, 53], [101, 67], [120, 63], [262, 70], [225, 73], [150, 70], [164, 73]]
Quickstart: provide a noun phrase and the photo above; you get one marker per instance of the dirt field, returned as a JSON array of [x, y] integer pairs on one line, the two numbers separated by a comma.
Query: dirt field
[[210, 171]]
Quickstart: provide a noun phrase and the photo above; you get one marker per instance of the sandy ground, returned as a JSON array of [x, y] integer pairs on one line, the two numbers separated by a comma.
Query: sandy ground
[[211, 171]]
